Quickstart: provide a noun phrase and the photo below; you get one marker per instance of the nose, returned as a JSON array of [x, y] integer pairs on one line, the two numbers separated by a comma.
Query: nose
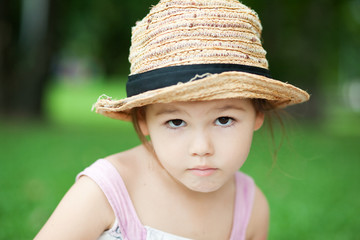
[[201, 144]]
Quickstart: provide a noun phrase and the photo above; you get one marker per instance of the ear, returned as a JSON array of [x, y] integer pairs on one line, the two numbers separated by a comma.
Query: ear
[[143, 126], [259, 120]]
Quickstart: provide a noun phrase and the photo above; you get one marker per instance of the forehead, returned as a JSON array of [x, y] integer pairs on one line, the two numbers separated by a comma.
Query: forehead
[[201, 106]]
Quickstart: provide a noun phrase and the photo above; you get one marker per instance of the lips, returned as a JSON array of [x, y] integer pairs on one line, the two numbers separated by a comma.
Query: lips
[[203, 171]]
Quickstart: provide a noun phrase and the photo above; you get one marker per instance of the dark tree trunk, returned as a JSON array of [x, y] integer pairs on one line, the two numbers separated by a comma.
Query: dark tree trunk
[[26, 50]]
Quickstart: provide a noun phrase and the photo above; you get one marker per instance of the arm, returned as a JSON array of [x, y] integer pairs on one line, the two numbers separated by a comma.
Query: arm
[[83, 213], [259, 221]]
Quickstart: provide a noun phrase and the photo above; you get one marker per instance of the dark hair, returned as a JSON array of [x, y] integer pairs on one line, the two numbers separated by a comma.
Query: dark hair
[[261, 105], [271, 113], [137, 114]]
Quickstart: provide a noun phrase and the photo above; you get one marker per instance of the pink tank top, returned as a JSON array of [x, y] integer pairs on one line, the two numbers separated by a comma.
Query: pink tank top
[[128, 225]]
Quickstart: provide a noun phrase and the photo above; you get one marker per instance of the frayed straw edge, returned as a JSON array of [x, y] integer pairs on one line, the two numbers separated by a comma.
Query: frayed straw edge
[[101, 97]]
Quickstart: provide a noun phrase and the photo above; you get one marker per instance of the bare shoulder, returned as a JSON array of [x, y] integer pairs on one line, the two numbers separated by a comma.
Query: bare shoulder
[[83, 213], [130, 162], [259, 220]]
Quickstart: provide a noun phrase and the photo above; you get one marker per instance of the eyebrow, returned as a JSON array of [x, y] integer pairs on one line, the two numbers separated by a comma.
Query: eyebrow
[[168, 110]]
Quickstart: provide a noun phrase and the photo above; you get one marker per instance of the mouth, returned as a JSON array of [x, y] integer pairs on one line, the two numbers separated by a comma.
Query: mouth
[[202, 171]]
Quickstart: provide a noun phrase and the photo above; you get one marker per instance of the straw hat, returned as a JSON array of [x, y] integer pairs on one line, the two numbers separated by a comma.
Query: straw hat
[[196, 50]]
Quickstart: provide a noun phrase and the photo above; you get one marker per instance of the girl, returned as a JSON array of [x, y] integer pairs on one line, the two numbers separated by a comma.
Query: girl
[[199, 87]]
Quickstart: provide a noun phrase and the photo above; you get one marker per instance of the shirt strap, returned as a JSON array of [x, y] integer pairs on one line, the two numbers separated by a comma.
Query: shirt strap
[[111, 183]]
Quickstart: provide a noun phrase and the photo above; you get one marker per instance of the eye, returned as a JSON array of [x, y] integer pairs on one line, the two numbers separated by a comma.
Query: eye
[[176, 123], [224, 121]]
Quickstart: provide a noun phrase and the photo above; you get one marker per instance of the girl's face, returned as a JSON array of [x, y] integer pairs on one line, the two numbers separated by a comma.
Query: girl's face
[[202, 144]]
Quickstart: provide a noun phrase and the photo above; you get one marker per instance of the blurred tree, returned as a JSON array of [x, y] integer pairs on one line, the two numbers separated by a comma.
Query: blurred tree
[[349, 70], [27, 42], [302, 41], [102, 31], [34, 34]]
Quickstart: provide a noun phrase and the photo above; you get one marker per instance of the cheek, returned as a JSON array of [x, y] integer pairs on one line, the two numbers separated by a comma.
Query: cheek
[[166, 144], [240, 146], [235, 147]]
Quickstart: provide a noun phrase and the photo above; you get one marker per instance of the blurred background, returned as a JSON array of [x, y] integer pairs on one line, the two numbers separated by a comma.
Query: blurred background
[[57, 57]]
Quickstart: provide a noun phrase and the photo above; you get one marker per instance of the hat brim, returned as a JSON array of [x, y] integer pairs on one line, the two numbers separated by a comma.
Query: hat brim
[[216, 86]]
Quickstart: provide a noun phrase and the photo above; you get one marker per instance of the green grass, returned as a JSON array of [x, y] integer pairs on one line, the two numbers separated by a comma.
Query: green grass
[[313, 190]]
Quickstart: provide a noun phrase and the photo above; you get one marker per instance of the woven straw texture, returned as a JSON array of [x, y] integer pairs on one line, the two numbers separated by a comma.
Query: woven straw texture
[[194, 32], [187, 32]]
